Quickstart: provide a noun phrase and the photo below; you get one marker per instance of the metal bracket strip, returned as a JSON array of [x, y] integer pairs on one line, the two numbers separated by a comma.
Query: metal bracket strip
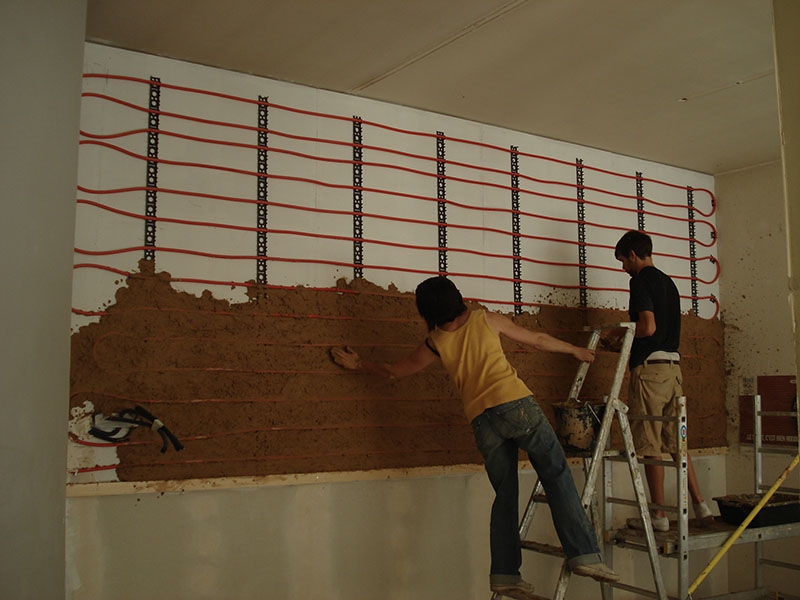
[[358, 198], [515, 239], [582, 281], [261, 240], [692, 250], [640, 200], [441, 194], [151, 195]]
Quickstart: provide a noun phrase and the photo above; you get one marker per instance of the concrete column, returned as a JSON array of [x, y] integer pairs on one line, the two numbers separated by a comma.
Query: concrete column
[[41, 56]]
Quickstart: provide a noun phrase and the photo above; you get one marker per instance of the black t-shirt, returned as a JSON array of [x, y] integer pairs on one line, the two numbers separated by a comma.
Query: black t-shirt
[[653, 290]]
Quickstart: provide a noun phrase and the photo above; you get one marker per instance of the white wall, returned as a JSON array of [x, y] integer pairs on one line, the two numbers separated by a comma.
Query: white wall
[[404, 539], [406, 191], [41, 45]]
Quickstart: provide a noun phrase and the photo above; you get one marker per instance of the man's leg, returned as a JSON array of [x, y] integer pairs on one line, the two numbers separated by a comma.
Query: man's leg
[[650, 388], [694, 488], [655, 483], [701, 510]]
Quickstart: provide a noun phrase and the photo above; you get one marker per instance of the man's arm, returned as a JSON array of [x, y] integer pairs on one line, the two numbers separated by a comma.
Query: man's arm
[[646, 325], [417, 359], [537, 339]]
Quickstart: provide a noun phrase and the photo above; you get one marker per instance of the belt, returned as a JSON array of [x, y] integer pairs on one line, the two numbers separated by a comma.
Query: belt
[[662, 361]]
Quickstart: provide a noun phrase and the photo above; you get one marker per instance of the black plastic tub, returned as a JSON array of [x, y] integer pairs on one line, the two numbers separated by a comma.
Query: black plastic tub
[[781, 508]]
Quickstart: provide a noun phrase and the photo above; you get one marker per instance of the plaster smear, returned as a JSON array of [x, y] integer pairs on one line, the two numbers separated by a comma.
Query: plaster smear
[[249, 388]]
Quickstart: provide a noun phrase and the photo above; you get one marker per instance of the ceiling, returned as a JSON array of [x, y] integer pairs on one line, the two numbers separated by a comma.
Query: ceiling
[[680, 82]]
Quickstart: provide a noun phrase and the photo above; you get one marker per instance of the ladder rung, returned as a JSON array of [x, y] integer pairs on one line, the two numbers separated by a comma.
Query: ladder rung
[[643, 461], [623, 501], [602, 326], [627, 502], [532, 597], [652, 418], [777, 413], [543, 548], [779, 563], [634, 589], [667, 548]]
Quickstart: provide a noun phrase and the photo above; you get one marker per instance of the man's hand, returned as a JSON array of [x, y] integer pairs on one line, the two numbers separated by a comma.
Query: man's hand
[[583, 354], [613, 340], [346, 358]]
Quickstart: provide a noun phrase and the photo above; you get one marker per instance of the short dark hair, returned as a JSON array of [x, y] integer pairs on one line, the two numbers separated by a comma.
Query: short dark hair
[[636, 241], [439, 301]]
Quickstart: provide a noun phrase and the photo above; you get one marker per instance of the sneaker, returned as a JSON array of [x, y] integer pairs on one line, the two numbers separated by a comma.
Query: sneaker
[[597, 571], [703, 515], [521, 590], [659, 523]]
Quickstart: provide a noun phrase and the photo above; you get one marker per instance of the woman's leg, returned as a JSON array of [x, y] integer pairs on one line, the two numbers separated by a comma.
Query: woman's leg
[[574, 529], [501, 457]]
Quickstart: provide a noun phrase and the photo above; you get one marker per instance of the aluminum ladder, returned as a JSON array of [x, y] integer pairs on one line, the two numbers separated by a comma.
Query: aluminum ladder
[[614, 409]]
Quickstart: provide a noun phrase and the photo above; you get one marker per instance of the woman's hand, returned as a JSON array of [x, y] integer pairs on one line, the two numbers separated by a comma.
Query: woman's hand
[[346, 358]]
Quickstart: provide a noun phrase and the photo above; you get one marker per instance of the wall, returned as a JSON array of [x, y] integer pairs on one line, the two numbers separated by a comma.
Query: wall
[[205, 238], [422, 535], [41, 45], [106, 558], [759, 299], [758, 330]]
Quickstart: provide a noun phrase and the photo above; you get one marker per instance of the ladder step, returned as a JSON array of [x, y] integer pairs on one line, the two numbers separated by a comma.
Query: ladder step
[[532, 597], [543, 548], [637, 590], [634, 504], [644, 461], [777, 413]]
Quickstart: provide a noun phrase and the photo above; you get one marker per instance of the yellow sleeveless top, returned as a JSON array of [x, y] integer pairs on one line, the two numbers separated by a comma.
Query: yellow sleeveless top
[[474, 358]]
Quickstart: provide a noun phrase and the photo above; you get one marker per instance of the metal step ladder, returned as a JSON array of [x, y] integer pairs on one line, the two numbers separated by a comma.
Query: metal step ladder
[[614, 409]]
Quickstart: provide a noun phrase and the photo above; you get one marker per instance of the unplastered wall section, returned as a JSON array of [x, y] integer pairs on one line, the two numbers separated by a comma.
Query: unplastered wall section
[[208, 172]]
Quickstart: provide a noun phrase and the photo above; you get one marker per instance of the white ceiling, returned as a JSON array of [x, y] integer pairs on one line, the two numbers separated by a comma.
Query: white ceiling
[[689, 83]]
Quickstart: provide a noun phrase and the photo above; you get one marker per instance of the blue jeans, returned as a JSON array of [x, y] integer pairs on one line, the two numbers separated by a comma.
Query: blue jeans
[[500, 432]]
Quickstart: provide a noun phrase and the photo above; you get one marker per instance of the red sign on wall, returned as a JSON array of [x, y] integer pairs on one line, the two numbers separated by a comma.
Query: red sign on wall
[[778, 392]]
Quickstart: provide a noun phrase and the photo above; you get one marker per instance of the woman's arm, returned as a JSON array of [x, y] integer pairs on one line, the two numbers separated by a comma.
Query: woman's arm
[[537, 339], [417, 359]]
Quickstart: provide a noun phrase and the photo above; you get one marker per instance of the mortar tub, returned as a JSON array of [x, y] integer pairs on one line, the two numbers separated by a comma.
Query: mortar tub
[[576, 426]]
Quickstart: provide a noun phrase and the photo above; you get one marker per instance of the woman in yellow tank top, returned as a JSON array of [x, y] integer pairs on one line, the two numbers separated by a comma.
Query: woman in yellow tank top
[[505, 418]]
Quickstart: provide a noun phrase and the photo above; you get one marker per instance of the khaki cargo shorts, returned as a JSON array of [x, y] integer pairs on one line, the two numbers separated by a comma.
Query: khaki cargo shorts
[[654, 391]]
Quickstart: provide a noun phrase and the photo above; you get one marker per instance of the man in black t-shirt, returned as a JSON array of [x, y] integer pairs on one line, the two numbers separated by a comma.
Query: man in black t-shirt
[[655, 372]]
